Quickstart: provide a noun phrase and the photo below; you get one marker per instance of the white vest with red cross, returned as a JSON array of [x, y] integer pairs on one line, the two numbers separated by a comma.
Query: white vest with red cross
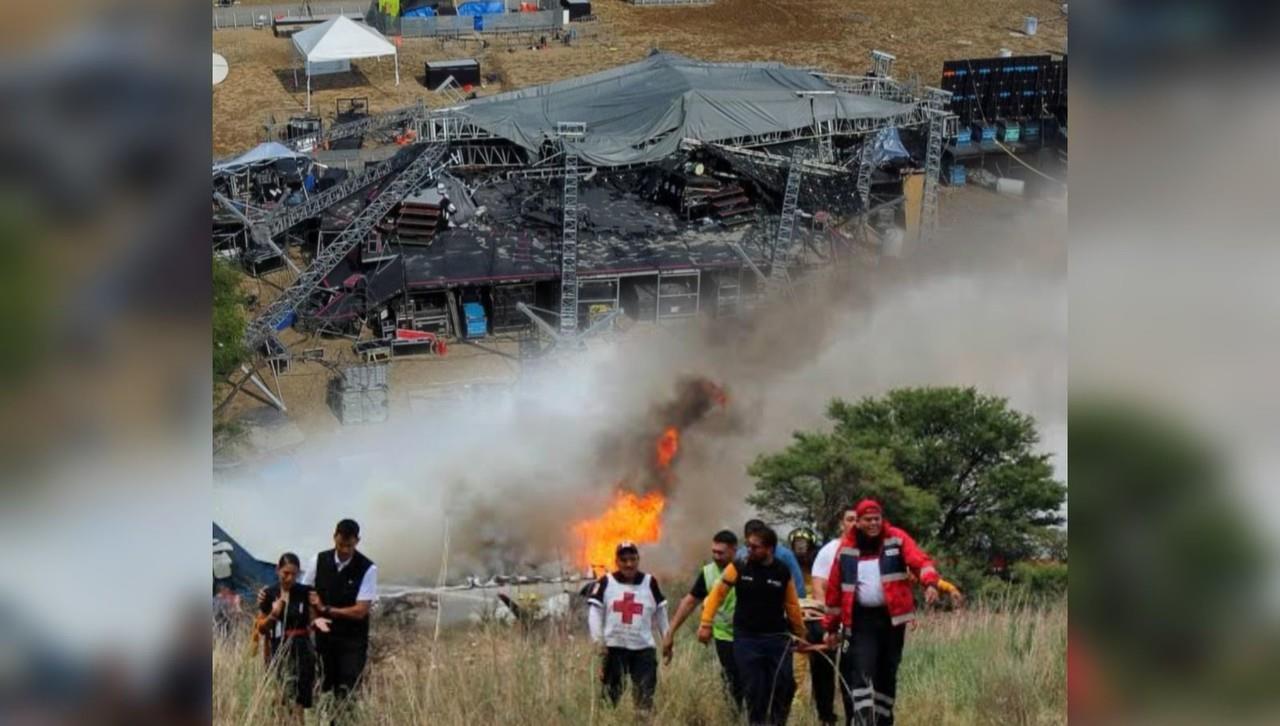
[[628, 614]]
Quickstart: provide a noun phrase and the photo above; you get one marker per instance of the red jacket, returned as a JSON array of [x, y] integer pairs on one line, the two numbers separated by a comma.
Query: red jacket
[[898, 552]]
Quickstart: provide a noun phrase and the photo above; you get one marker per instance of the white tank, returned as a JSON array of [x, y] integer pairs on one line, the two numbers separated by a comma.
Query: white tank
[[1012, 187]]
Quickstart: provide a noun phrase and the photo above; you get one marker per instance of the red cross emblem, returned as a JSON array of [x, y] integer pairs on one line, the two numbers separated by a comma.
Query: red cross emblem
[[628, 607]]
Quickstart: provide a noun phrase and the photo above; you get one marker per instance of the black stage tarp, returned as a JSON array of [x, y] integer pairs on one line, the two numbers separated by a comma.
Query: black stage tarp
[[518, 236], [461, 256]]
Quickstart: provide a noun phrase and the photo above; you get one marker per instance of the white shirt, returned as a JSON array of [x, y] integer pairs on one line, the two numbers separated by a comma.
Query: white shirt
[[368, 584], [870, 590], [825, 559]]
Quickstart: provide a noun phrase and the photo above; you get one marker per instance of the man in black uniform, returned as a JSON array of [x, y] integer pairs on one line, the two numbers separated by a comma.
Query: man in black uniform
[[345, 584], [766, 619]]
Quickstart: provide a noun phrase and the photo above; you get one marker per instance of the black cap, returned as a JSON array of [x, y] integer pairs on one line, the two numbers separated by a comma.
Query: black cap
[[625, 548]]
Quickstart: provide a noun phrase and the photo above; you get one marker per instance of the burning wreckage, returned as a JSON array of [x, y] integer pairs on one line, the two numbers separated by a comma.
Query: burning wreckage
[[660, 189], [633, 511]]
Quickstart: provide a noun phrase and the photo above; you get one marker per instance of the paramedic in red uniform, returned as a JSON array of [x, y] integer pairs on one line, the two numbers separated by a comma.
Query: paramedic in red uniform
[[869, 600]]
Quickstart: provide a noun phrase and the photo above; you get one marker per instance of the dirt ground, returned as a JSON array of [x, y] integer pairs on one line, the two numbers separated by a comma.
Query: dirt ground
[[836, 35]]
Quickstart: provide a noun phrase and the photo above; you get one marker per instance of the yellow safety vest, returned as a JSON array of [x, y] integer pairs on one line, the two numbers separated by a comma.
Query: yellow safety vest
[[722, 626]]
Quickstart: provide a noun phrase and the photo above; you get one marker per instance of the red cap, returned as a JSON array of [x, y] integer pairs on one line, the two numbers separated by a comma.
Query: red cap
[[867, 505]]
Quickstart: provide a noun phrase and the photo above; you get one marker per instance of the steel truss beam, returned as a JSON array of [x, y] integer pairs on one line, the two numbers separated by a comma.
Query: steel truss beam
[[284, 218], [257, 232], [488, 156], [815, 168], [584, 171], [428, 164], [875, 86], [368, 124], [915, 116], [445, 127]]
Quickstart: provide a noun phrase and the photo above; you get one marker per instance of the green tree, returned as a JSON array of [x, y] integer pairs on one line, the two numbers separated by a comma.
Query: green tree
[[228, 318], [820, 474], [956, 467]]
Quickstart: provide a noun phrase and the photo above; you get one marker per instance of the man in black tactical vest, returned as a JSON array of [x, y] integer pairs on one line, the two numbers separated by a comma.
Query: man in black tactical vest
[[345, 585]]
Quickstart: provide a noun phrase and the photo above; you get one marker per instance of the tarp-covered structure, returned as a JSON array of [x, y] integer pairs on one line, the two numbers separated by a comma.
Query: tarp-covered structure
[[640, 112], [341, 39], [266, 153], [485, 7]]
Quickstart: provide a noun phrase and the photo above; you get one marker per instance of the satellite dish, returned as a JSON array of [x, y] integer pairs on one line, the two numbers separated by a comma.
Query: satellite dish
[[219, 69]]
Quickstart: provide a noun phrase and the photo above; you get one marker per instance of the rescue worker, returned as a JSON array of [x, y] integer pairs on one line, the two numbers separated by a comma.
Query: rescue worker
[[344, 586], [782, 552], [804, 543], [285, 624], [623, 611], [822, 663], [723, 546], [869, 601], [766, 616], [822, 672]]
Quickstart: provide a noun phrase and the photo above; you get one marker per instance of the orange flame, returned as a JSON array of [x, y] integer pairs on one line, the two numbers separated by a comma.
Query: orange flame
[[668, 447], [630, 517]]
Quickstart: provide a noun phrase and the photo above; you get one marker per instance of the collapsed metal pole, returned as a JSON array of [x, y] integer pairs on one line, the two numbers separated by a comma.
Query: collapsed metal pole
[[571, 339], [257, 382], [259, 235]]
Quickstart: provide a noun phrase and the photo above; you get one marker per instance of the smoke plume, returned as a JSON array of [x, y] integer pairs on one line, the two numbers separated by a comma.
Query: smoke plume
[[504, 477]]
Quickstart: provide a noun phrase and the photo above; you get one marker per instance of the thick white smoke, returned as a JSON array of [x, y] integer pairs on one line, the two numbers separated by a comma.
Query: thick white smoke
[[984, 305]]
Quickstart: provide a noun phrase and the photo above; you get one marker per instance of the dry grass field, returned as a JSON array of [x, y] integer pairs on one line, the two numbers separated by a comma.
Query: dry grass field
[[967, 667], [833, 34]]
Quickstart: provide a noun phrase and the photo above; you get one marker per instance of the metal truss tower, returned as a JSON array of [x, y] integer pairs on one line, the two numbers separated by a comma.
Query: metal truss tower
[[864, 174], [786, 225], [942, 124], [569, 131]]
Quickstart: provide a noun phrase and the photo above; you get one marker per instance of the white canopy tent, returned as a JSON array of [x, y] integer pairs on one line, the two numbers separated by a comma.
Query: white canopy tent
[[341, 39]]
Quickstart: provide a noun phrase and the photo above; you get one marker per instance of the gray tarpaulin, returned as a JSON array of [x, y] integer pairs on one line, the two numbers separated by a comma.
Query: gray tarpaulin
[[269, 152], [641, 111], [887, 146]]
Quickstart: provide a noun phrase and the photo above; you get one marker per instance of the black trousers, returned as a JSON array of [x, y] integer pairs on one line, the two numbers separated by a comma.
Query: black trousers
[[729, 671], [296, 668], [768, 680], [870, 667], [822, 676], [641, 665], [342, 661]]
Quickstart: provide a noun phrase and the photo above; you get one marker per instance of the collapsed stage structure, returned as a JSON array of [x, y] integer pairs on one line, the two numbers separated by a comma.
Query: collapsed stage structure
[[660, 189]]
